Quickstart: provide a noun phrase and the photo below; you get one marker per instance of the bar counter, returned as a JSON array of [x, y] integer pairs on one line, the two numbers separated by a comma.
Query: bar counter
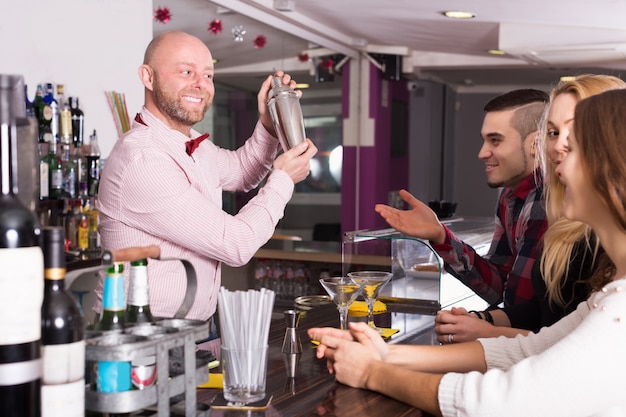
[[314, 392]]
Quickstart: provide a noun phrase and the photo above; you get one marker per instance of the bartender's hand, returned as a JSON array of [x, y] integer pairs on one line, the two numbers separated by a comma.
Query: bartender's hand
[[296, 161], [349, 354], [420, 221], [263, 95]]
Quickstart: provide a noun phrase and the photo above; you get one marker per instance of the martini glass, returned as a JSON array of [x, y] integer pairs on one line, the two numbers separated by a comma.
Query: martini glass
[[372, 282], [343, 292]]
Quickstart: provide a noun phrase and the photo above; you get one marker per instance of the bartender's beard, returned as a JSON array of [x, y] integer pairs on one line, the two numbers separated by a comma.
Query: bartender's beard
[[172, 105]]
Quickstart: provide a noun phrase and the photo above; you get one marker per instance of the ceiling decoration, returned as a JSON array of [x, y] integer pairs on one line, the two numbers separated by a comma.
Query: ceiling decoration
[[541, 40]]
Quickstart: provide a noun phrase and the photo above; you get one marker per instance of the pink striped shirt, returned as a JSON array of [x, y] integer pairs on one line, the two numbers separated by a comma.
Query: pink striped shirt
[[153, 193]]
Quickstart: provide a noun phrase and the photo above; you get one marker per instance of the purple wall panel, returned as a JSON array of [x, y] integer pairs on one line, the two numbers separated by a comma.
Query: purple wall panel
[[378, 172]]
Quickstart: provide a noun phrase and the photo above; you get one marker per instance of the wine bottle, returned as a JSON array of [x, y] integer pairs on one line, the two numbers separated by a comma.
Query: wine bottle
[[143, 370], [113, 376], [62, 336], [21, 283]]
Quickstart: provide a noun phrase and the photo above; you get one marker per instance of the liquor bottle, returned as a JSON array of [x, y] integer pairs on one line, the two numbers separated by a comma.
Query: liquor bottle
[[71, 227], [76, 227], [65, 116], [93, 165], [30, 109], [44, 115], [82, 229], [113, 376], [80, 166], [143, 370], [55, 170], [78, 122], [68, 167], [44, 178], [92, 214], [52, 102], [62, 336], [21, 283]]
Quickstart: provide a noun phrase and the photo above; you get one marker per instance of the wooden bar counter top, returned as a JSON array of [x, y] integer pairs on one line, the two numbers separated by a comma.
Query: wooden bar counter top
[[313, 391]]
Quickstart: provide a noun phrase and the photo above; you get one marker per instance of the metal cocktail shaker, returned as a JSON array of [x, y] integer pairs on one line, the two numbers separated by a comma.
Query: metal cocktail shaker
[[286, 113]]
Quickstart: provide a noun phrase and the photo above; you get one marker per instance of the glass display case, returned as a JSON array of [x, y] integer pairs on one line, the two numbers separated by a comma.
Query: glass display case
[[412, 296], [420, 286], [416, 267]]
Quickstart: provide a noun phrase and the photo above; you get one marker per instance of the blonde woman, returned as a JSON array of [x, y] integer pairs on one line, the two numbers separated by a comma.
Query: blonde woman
[[572, 263]]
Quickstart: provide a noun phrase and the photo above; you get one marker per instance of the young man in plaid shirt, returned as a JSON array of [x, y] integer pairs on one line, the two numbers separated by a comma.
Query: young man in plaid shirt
[[509, 132]]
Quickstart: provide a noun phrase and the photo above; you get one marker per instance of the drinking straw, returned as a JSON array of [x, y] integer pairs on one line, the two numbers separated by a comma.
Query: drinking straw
[[117, 105], [245, 317], [245, 321]]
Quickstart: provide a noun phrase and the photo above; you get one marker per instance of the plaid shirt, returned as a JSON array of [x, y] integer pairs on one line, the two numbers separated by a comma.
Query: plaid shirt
[[506, 269]]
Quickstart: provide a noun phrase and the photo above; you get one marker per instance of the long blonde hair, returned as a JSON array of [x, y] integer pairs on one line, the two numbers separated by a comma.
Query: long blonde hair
[[562, 234]]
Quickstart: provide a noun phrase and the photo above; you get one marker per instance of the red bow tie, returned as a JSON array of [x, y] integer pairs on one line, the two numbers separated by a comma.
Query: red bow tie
[[192, 144]]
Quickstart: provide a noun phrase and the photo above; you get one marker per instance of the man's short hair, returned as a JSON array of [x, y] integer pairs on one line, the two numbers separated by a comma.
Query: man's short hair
[[516, 98], [529, 105]]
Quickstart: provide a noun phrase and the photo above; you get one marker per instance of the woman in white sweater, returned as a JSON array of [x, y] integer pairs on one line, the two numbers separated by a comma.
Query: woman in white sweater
[[575, 367]]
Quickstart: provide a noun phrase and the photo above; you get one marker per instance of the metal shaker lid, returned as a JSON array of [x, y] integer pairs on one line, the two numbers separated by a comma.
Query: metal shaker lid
[[278, 88]]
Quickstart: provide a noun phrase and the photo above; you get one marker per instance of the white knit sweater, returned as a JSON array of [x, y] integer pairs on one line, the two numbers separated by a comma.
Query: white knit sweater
[[576, 367]]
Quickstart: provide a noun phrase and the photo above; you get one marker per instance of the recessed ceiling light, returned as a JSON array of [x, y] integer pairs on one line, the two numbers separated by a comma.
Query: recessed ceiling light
[[567, 78], [458, 14], [496, 51], [302, 85]]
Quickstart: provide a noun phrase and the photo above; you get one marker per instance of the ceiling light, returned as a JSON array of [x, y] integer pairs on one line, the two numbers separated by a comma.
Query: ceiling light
[[223, 10], [496, 51], [302, 85], [359, 42], [284, 5], [567, 78], [458, 14]]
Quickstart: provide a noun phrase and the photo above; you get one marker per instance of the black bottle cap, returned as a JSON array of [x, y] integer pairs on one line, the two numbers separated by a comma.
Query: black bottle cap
[[53, 247]]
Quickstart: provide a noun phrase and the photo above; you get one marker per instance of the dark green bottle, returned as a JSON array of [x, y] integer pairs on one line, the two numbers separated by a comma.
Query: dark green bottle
[[55, 171], [138, 306], [113, 315]]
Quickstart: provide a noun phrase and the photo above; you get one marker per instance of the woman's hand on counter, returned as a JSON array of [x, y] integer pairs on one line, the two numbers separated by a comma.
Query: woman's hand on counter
[[342, 348]]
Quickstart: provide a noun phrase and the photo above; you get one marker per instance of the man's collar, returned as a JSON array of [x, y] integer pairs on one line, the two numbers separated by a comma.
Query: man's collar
[[528, 184]]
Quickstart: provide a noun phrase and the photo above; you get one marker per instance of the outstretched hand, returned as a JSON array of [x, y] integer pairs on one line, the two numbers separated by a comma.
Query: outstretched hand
[[420, 221]]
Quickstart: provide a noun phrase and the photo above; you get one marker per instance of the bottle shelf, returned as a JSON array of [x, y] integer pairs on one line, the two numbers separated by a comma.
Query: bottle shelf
[[179, 370]]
